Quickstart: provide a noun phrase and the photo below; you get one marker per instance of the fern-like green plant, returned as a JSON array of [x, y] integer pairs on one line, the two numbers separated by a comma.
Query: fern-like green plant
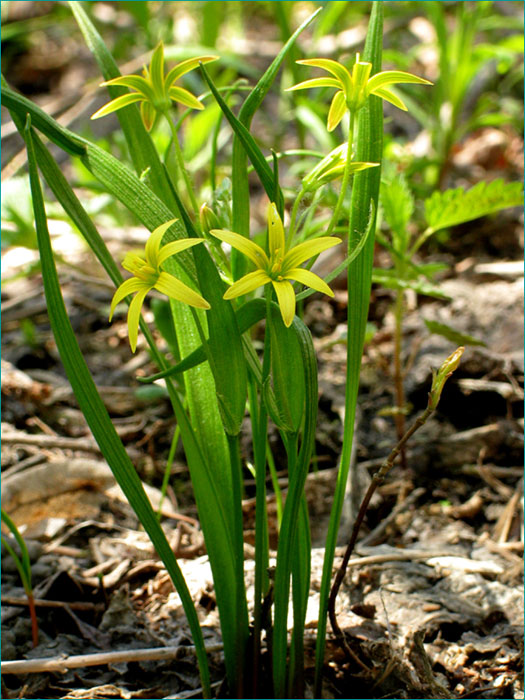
[[441, 210]]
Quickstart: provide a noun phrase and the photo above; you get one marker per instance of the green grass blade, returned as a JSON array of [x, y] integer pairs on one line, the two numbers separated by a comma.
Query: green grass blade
[[67, 140], [255, 154], [240, 188], [228, 368], [369, 148], [23, 564], [301, 564], [97, 417]]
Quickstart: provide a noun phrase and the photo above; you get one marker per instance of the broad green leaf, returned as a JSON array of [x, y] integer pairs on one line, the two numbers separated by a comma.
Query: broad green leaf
[[390, 280], [291, 528], [398, 206], [457, 337], [97, 416], [287, 373], [453, 207], [228, 366]]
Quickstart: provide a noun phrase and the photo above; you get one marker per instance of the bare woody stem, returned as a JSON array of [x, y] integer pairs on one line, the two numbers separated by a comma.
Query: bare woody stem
[[439, 380]]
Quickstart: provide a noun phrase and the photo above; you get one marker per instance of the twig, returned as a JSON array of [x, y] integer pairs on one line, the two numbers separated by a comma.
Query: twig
[[63, 664], [40, 603], [47, 441], [378, 531], [438, 382]]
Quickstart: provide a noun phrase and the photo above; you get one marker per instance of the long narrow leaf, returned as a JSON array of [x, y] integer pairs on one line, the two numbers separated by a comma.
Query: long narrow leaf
[[240, 187], [255, 154], [208, 459], [365, 190], [97, 417]]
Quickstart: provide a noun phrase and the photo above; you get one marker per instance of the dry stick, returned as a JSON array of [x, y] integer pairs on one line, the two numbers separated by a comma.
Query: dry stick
[[439, 379], [41, 603], [63, 664], [377, 479]]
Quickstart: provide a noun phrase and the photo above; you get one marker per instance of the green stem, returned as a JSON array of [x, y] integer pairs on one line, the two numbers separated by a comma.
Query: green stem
[[236, 473], [296, 670], [346, 176], [293, 216], [275, 484], [261, 583], [180, 163], [167, 470]]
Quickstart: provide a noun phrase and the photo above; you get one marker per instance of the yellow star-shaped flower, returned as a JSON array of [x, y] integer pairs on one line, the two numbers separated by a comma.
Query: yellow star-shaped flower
[[279, 266], [154, 90], [148, 274], [353, 89]]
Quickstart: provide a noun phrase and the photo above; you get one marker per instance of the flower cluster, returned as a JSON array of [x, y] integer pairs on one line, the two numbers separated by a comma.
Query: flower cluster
[[279, 265]]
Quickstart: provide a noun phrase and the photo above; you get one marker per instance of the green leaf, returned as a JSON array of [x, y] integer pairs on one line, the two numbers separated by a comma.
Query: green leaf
[[369, 148], [240, 186], [292, 525], [451, 334], [228, 366], [287, 373], [67, 140], [97, 416], [398, 206], [208, 460], [255, 154], [453, 207], [23, 564], [390, 280]]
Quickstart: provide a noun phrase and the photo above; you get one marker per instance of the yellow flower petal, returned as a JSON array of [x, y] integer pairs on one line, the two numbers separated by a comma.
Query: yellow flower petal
[[185, 66], [246, 284], [333, 67], [134, 316], [337, 110], [286, 299], [134, 82], [387, 94], [175, 247], [156, 69], [276, 240], [116, 104], [128, 287], [314, 83], [153, 243], [244, 245], [310, 279], [390, 77], [299, 253], [179, 94], [174, 288]]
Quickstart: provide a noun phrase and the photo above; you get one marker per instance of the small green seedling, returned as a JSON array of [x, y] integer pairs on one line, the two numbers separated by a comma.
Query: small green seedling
[[23, 564]]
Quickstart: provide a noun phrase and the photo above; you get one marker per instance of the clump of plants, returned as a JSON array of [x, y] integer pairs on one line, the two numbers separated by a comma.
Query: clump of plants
[[219, 283]]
